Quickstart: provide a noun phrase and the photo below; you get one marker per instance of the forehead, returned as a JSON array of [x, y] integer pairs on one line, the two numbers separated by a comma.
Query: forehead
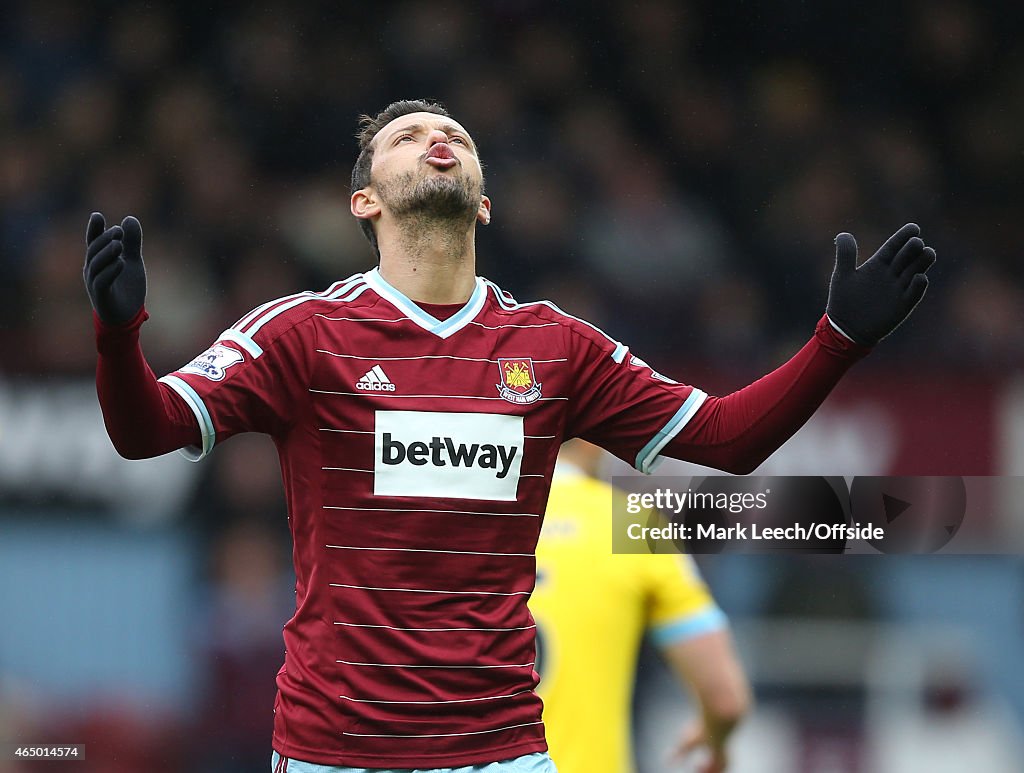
[[430, 120]]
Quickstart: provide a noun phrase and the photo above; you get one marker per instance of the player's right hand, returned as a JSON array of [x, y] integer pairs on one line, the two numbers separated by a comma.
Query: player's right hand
[[115, 276]]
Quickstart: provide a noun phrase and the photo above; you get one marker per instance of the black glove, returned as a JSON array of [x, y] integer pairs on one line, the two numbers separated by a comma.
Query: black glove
[[115, 276], [870, 301]]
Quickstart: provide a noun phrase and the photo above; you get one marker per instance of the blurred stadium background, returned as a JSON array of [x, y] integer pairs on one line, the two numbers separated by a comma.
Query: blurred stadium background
[[672, 171]]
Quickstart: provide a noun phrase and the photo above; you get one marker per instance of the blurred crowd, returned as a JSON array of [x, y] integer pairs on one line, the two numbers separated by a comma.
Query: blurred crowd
[[674, 171]]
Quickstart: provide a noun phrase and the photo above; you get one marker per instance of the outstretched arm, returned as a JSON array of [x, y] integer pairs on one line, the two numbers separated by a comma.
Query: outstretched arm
[[738, 432], [143, 417]]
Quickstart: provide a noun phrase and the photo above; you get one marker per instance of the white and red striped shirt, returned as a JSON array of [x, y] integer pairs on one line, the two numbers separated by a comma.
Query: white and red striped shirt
[[417, 454]]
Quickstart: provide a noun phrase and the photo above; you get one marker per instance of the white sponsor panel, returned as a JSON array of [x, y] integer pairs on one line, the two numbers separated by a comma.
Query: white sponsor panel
[[450, 455]]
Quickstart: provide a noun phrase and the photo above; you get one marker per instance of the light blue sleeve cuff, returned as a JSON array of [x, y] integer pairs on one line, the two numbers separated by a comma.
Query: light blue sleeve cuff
[[203, 419], [649, 457], [674, 631]]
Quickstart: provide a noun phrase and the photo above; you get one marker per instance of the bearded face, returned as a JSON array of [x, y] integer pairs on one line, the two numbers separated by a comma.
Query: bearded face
[[424, 172], [429, 194]]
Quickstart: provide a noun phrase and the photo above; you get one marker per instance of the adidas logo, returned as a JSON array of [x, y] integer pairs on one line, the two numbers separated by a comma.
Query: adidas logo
[[375, 380]]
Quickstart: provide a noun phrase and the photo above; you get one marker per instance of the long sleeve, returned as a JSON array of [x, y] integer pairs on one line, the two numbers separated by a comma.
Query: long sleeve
[[736, 433], [143, 417]]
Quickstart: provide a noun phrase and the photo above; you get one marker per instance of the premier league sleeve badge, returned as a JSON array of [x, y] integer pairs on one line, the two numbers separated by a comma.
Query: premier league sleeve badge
[[214, 362]]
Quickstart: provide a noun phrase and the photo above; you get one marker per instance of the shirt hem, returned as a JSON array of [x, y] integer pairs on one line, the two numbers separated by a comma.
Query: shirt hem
[[482, 757]]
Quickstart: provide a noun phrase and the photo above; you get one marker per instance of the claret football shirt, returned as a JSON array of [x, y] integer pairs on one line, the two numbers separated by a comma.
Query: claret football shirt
[[417, 455]]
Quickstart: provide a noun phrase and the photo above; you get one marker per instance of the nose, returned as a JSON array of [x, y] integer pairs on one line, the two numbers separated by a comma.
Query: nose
[[435, 136]]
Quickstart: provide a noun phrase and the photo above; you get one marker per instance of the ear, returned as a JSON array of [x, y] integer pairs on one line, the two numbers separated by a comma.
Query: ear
[[483, 215], [364, 204]]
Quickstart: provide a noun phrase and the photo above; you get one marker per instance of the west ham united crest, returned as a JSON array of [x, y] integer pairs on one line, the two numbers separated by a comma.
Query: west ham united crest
[[518, 384]]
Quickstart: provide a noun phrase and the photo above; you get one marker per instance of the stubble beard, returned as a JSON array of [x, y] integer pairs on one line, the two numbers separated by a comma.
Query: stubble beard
[[433, 200]]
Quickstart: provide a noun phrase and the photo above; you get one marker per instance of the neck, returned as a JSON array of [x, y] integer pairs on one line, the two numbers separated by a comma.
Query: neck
[[429, 262]]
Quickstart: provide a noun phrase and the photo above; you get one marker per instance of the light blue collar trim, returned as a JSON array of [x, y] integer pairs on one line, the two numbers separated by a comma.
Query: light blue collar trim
[[442, 329]]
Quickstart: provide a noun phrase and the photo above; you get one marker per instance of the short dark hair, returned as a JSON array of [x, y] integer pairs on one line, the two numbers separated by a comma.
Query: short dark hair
[[368, 128]]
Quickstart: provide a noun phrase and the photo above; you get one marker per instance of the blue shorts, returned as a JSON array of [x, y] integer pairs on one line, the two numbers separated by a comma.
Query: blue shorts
[[538, 762]]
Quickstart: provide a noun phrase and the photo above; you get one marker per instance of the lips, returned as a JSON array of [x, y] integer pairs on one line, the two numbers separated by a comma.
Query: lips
[[441, 156]]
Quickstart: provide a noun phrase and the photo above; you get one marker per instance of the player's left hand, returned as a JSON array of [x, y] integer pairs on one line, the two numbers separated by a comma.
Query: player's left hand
[[695, 742], [869, 301]]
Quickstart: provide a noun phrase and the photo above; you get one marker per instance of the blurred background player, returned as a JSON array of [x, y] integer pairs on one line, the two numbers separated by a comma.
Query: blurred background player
[[592, 609]]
